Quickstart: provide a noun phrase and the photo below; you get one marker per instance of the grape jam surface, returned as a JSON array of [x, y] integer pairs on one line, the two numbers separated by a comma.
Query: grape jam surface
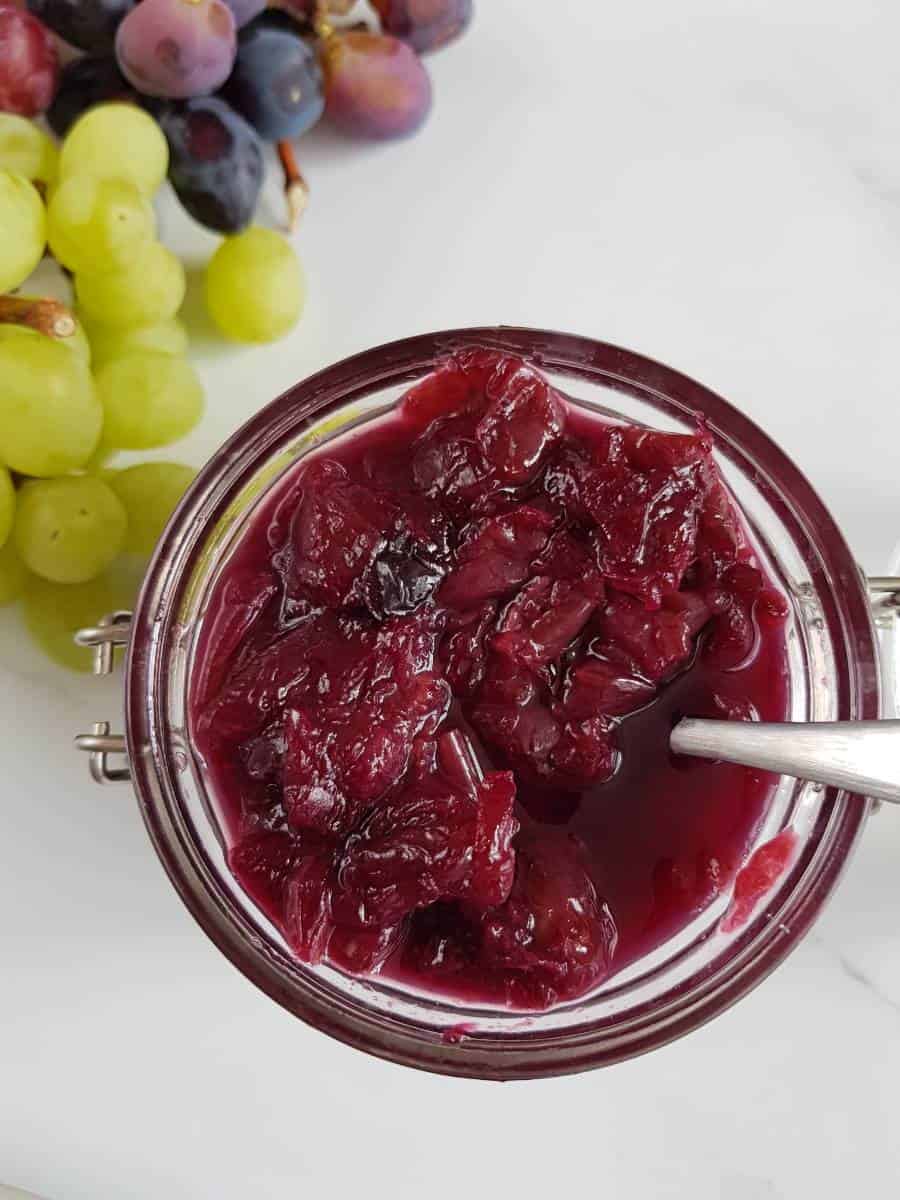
[[435, 682]]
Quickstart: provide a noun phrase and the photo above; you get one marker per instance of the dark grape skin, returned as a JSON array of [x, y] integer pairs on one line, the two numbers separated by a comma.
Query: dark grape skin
[[215, 162], [375, 85], [85, 82], [300, 12], [177, 49], [277, 82], [424, 24], [87, 24]]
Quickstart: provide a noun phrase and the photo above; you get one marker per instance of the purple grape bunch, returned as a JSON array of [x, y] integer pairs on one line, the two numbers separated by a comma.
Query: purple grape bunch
[[223, 77]]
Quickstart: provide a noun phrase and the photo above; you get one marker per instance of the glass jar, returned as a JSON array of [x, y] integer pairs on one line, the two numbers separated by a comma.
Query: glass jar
[[835, 674]]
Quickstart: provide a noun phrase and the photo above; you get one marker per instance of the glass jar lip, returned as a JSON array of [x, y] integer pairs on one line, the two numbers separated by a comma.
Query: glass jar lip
[[531, 1053]]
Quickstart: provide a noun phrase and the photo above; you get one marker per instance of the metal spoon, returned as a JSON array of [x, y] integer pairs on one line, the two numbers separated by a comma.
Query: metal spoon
[[861, 756]]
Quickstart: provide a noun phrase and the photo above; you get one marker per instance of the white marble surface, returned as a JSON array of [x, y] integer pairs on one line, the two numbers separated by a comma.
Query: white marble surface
[[713, 182]]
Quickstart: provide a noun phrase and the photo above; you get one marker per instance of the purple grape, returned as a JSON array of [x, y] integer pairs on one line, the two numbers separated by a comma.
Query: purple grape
[[245, 10], [424, 24], [215, 162], [88, 24], [83, 83], [277, 79], [29, 64], [177, 48], [375, 86]]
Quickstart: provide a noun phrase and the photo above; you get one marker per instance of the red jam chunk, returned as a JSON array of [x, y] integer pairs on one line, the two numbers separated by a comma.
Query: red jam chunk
[[435, 683]]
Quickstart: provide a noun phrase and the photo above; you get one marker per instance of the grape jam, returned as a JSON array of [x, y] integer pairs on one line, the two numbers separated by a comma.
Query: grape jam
[[435, 683]]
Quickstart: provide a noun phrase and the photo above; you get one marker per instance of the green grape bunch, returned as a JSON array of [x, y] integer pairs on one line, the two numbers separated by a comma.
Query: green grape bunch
[[81, 384]]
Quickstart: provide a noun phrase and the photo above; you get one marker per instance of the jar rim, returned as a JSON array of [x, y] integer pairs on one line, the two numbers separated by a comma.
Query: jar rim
[[533, 1054]]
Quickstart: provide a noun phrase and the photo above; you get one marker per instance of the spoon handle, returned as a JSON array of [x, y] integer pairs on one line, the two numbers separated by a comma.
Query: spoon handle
[[860, 756]]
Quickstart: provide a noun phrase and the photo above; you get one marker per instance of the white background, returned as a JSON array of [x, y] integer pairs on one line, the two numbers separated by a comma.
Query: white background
[[715, 183]]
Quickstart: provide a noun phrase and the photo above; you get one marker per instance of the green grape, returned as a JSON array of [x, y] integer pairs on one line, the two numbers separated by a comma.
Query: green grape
[[26, 149], [51, 416], [149, 399], [54, 612], [78, 342], [120, 140], [12, 574], [255, 291], [68, 530], [150, 493], [7, 504], [168, 337], [23, 229], [94, 224], [148, 290]]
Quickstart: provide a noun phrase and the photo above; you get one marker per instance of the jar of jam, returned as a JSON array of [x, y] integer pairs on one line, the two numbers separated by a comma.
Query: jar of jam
[[492, 866]]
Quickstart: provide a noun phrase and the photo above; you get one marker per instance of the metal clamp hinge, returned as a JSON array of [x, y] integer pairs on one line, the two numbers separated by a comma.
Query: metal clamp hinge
[[112, 631]]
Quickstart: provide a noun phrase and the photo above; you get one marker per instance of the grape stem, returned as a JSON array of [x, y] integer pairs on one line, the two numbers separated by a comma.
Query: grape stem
[[49, 317], [296, 189]]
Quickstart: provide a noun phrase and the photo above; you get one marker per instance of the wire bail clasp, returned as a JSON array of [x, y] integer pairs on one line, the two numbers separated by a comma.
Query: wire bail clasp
[[112, 630]]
